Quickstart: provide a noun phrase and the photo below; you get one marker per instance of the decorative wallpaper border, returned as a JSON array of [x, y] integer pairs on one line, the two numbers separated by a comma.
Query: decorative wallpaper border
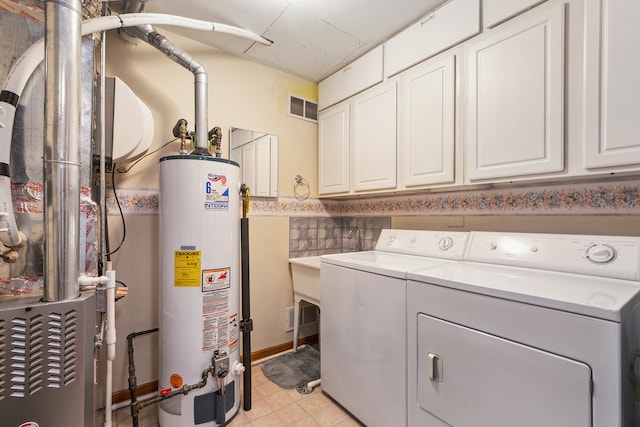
[[604, 198]]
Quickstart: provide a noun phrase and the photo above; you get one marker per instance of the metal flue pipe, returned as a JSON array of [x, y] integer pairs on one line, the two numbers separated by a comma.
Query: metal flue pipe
[[63, 26], [151, 36]]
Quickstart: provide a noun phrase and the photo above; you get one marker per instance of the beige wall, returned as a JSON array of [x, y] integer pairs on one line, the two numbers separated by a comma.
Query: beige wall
[[242, 94], [614, 225]]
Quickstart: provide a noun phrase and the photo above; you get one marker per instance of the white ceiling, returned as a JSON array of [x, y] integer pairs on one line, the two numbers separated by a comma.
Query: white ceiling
[[312, 38]]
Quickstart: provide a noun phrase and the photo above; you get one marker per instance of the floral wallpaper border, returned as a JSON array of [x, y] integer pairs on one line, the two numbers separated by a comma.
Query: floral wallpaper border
[[611, 198]]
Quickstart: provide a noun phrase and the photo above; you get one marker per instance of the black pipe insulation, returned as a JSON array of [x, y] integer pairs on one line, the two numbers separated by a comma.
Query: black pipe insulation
[[246, 324]]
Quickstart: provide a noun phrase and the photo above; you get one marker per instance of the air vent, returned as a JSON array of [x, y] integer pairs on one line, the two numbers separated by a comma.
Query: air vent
[[61, 361], [303, 108], [18, 357]]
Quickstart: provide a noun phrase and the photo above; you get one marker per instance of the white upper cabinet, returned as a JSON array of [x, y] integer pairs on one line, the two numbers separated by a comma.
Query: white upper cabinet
[[333, 150], [361, 74], [373, 138], [427, 142], [514, 125], [357, 143], [612, 86], [448, 25], [496, 11]]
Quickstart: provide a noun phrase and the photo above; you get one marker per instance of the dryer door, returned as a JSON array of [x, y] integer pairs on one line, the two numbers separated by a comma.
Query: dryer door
[[470, 378]]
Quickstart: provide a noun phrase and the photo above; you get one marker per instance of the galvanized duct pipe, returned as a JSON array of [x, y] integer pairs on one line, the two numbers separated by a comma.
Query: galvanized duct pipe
[[63, 20], [151, 36]]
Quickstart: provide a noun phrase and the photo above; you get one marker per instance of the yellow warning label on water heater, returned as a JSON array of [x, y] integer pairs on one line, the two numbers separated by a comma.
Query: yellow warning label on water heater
[[186, 271]]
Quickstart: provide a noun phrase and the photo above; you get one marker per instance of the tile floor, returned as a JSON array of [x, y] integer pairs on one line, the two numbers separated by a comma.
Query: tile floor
[[271, 406]]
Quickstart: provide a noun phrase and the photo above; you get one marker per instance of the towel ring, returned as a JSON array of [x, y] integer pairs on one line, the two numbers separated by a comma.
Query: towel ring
[[301, 187]]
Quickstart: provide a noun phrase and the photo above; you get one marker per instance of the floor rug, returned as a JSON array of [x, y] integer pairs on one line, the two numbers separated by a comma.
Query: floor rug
[[294, 370]]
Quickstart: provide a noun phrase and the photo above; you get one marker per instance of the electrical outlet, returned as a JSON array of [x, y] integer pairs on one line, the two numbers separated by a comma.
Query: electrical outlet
[[288, 319]]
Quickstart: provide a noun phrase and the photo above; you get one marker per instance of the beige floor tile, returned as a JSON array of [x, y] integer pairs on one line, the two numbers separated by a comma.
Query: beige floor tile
[[271, 420], [329, 416], [266, 389], [259, 408], [314, 402], [292, 413], [306, 422], [279, 400]]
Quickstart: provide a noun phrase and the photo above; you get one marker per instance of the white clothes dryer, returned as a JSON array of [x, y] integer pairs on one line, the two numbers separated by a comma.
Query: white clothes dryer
[[530, 330], [363, 323]]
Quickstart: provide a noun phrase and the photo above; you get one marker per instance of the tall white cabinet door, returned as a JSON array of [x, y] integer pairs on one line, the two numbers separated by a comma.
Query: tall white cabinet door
[[373, 136], [248, 165], [612, 115], [514, 117], [333, 150], [263, 167], [428, 119]]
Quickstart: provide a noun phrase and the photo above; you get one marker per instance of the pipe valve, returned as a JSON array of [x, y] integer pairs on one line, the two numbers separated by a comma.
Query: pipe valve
[[180, 131]]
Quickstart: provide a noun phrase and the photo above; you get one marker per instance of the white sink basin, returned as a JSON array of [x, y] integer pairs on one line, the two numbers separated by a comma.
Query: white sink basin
[[305, 274], [306, 278]]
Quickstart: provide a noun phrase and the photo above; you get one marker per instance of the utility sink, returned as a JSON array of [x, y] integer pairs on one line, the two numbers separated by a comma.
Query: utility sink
[[306, 286]]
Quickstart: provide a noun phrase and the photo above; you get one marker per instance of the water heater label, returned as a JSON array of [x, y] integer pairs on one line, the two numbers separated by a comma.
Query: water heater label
[[215, 320], [215, 279], [186, 268], [216, 190]]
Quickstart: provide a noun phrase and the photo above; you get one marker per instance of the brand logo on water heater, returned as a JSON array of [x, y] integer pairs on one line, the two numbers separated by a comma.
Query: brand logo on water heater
[[215, 178]]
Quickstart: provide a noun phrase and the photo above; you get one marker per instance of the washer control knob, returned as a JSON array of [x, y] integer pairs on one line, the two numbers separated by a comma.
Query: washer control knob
[[600, 253], [445, 243], [493, 246]]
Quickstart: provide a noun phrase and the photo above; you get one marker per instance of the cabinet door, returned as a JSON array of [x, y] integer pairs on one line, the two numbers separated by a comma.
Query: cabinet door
[[612, 112], [333, 150], [515, 107], [496, 11], [428, 120], [263, 167], [373, 139], [450, 24], [248, 165], [361, 74]]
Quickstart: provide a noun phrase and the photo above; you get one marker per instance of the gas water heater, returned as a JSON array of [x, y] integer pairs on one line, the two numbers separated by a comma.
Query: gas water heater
[[199, 294]]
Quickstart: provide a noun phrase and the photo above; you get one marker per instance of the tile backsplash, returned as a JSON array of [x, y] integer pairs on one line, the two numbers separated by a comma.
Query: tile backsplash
[[310, 236]]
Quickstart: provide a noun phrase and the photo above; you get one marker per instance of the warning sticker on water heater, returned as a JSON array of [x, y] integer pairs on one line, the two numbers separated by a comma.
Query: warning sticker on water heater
[[186, 268], [216, 189], [216, 279]]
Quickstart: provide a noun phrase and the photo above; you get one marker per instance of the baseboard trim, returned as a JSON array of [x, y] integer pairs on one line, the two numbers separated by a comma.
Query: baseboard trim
[[124, 395], [152, 386]]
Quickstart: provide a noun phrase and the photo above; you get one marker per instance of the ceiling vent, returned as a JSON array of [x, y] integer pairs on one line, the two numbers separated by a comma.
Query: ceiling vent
[[303, 108]]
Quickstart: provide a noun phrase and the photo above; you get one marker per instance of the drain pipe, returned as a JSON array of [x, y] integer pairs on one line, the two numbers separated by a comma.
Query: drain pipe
[[151, 36], [63, 28]]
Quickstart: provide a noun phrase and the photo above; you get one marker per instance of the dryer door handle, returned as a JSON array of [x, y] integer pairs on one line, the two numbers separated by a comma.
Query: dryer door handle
[[434, 367]]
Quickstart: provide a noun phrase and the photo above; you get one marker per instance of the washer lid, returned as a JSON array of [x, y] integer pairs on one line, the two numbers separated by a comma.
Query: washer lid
[[604, 298], [384, 263]]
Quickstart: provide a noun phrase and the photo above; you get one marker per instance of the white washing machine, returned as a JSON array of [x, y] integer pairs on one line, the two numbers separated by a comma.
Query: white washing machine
[[529, 330], [363, 324]]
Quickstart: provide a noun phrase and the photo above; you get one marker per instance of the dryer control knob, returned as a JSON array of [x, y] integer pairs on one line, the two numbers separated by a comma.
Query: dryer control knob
[[600, 253], [445, 243]]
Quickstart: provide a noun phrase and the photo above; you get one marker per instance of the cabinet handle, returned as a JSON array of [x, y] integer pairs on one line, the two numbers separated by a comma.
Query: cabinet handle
[[434, 367], [344, 70], [427, 19]]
